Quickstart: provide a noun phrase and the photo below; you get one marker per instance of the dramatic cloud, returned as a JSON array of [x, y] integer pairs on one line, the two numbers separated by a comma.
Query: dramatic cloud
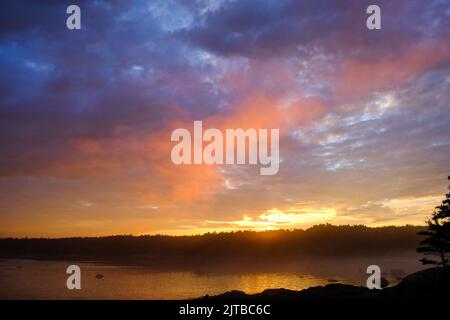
[[86, 115]]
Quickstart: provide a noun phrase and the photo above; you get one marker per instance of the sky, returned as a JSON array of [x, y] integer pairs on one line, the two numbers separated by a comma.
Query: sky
[[86, 115]]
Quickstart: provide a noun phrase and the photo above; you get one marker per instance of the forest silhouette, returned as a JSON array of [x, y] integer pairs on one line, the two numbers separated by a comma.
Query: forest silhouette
[[321, 240]]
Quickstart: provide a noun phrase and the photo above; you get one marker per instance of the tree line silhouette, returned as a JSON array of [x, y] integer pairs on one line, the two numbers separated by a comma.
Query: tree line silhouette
[[320, 240]]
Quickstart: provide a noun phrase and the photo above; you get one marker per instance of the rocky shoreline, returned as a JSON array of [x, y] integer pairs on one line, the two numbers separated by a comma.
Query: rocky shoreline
[[425, 284]]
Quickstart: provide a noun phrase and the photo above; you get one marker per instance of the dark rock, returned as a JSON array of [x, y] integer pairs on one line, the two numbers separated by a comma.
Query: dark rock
[[384, 282], [330, 291], [229, 295], [428, 283]]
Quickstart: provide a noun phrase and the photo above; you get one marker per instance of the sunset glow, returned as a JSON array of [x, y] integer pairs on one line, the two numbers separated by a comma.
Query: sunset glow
[[86, 117]]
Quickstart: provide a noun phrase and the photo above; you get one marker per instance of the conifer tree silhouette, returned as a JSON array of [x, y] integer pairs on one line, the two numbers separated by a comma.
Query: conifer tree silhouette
[[437, 242]]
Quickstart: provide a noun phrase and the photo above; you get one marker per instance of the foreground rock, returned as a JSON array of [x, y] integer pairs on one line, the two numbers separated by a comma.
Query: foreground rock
[[428, 283]]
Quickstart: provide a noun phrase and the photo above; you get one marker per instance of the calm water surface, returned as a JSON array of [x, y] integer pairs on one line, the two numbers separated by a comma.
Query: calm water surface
[[31, 279]]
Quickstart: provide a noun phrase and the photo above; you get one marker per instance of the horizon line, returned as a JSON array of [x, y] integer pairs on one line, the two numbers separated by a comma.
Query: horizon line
[[211, 232]]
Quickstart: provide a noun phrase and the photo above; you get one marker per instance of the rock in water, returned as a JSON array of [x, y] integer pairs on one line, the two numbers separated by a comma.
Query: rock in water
[[384, 282]]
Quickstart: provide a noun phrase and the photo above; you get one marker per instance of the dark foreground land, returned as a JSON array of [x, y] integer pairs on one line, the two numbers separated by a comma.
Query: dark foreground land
[[433, 283]]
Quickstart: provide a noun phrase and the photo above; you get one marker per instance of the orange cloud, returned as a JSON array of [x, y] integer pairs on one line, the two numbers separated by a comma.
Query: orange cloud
[[161, 182], [360, 77]]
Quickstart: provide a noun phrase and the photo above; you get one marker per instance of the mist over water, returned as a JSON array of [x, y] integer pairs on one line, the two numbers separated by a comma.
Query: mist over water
[[39, 279]]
